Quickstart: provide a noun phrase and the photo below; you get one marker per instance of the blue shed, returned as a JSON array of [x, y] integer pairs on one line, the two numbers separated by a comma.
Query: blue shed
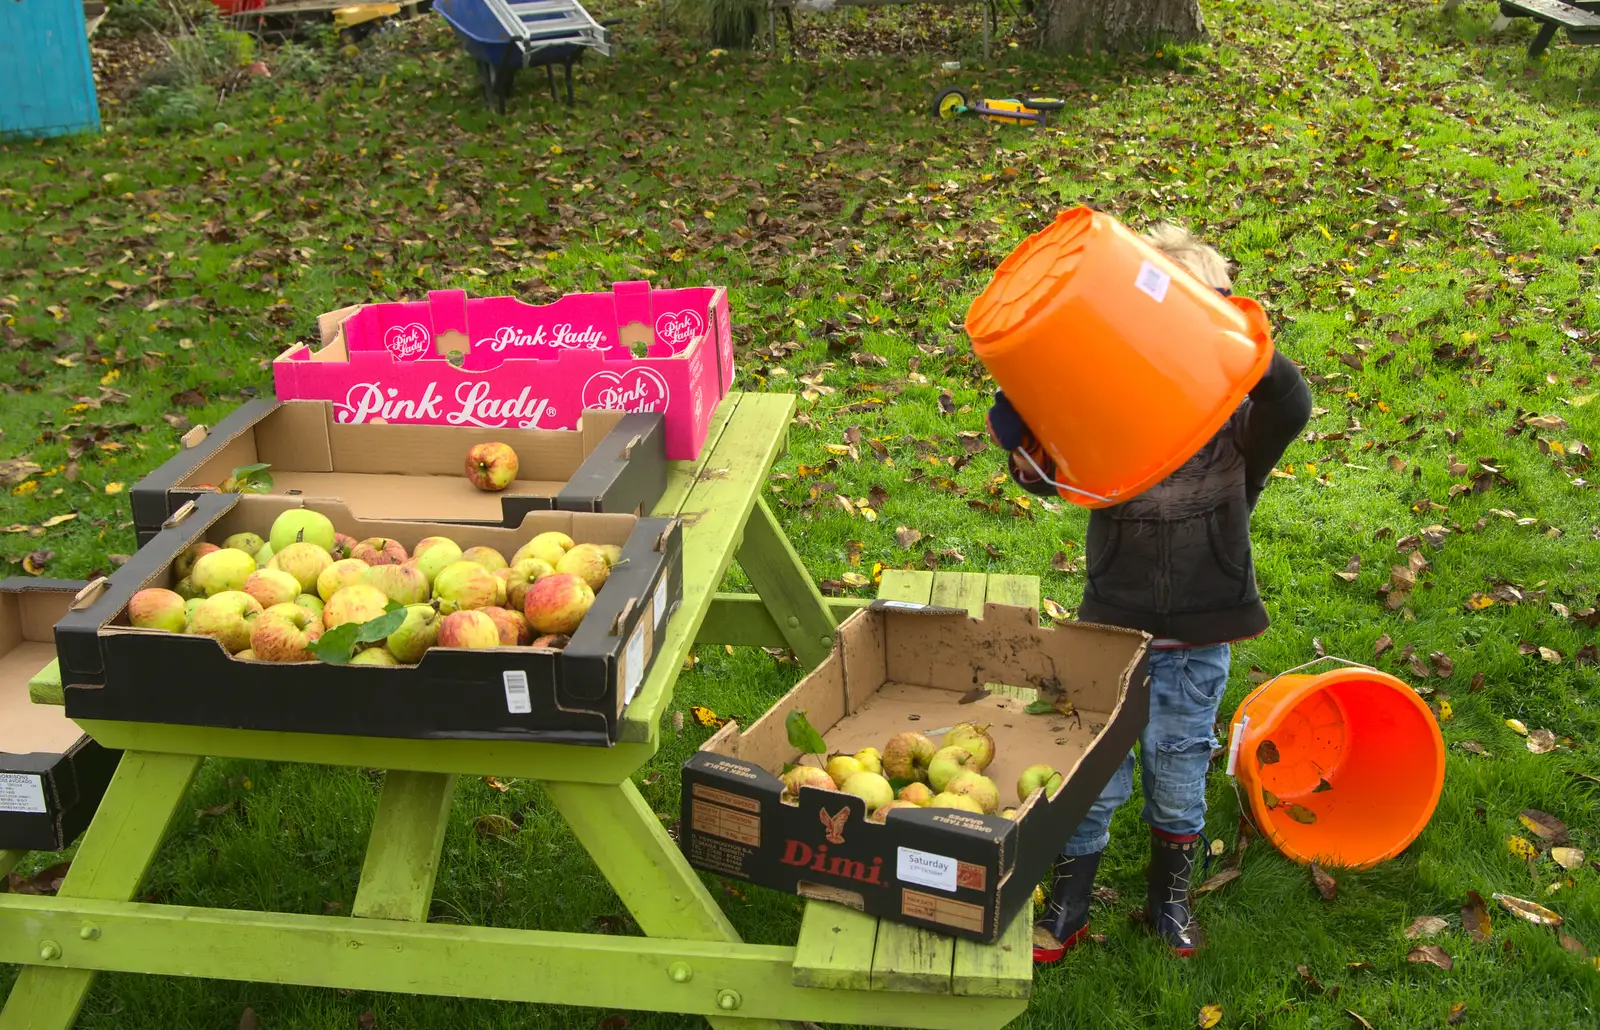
[[46, 84]]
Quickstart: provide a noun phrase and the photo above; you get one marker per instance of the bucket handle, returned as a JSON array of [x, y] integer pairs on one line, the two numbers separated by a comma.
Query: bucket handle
[[1236, 734], [1059, 486]]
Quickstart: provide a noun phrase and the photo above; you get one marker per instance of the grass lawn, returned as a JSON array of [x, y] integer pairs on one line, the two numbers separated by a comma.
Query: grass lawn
[[1411, 198]]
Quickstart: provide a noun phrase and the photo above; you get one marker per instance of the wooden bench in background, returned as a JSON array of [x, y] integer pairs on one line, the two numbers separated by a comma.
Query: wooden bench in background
[[1581, 19]]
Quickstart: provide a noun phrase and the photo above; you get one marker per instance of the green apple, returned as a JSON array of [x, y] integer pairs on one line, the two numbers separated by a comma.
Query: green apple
[[263, 556], [960, 802], [311, 603], [547, 547], [882, 814], [976, 786], [403, 583], [975, 740], [434, 554], [249, 543], [869, 787], [842, 767], [358, 603], [183, 566], [465, 585], [416, 634], [374, 656], [587, 563], [521, 576], [301, 525], [946, 763], [488, 557], [468, 628], [1035, 777], [870, 760], [283, 632], [342, 573], [805, 776], [225, 569]]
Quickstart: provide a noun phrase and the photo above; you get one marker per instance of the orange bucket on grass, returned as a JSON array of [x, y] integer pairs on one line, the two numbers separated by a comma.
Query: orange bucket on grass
[[1121, 362], [1353, 760]]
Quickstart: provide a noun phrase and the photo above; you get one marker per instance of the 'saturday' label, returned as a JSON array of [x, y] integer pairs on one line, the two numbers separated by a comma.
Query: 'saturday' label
[[926, 868], [22, 792], [517, 700], [634, 664]]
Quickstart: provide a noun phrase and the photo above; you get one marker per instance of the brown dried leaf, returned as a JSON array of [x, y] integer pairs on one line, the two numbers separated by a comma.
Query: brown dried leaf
[[1359, 1019], [36, 561], [494, 825], [615, 1021], [248, 1020], [1432, 955], [1385, 643], [1541, 742], [215, 810], [367, 1020], [189, 399], [1442, 664], [45, 881], [1218, 879], [1458, 1012], [1352, 569], [907, 538], [1267, 753], [1574, 946], [1062, 563], [1567, 858], [1426, 926], [1326, 885], [1543, 825], [1310, 981]]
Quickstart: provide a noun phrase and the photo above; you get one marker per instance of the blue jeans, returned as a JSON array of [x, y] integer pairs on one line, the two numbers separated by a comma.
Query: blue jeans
[[1186, 687]]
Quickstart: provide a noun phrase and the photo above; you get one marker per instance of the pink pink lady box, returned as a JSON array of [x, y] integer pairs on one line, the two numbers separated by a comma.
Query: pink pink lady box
[[498, 362]]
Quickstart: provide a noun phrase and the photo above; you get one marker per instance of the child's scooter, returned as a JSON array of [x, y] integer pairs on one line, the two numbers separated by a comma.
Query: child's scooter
[[1027, 109]]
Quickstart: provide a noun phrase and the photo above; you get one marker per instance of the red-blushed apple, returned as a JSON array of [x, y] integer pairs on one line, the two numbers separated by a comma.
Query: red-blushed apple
[[553, 641], [960, 802], [343, 544], [805, 776], [975, 740], [907, 755], [226, 617], [587, 563], [374, 656], [157, 608], [465, 585], [521, 576], [513, 627], [183, 565], [499, 589], [917, 793], [220, 570], [311, 603], [432, 554], [547, 547], [492, 466], [305, 562], [557, 603], [301, 525], [468, 628], [358, 603], [272, 586], [403, 583], [882, 814], [869, 787], [946, 763], [976, 786], [488, 557], [283, 633], [380, 550], [249, 543], [416, 634], [340, 574]]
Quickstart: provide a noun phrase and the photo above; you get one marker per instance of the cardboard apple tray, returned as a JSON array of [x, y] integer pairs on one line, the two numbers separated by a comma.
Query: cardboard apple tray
[[495, 362], [51, 776], [898, 667], [110, 670], [612, 462]]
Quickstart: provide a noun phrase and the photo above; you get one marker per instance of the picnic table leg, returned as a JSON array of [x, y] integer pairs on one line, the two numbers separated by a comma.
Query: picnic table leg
[[1541, 42], [642, 863], [769, 560], [139, 805], [403, 850]]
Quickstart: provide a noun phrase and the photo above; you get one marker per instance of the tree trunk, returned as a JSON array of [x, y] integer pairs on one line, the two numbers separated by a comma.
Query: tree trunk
[[1087, 26]]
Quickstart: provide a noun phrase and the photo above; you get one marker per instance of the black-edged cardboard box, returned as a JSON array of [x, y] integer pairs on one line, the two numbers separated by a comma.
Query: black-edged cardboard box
[[51, 776], [612, 462], [110, 670], [901, 667]]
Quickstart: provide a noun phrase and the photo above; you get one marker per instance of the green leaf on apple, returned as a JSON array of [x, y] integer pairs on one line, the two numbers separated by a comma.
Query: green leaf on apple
[[899, 784], [338, 645], [802, 736], [374, 630], [1040, 707], [254, 479]]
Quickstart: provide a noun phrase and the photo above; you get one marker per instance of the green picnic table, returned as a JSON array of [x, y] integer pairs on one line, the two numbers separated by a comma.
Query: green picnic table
[[846, 967]]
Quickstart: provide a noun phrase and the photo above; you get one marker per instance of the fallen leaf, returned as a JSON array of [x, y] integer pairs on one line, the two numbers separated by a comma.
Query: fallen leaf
[[1062, 563], [1442, 664], [1352, 569], [45, 881], [1575, 946], [616, 1021], [1269, 798], [1532, 911], [1043, 938], [216, 810], [36, 561], [494, 825], [1210, 1016], [1567, 858], [189, 399], [248, 1020], [1432, 955], [1550, 655], [1541, 742], [1517, 727], [1267, 753], [1522, 848], [1219, 879], [855, 579], [1322, 787], [1472, 747], [56, 520], [1310, 981], [1359, 1019], [1544, 825], [496, 784], [1458, 1012], [1326, 885], [1477, 683], [1385, 643], [1426, 926], [907, 538], [367, 1020], [1301, 814], [1055, 611], [1475, 918]]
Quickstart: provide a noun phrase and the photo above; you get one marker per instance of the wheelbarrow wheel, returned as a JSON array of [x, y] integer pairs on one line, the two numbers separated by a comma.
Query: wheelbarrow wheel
[[1039, 103], [486, 75], [949, 104]]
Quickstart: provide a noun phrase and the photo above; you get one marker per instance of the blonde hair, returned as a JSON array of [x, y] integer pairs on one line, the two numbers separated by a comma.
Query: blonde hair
[[1203, 262]]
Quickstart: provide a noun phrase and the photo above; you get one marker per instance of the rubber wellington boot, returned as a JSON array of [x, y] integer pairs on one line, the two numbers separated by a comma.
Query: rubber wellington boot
[[1066, 917], [1172, 858]]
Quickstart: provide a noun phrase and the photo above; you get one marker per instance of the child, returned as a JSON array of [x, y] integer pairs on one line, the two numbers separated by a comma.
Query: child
[[1175, 563]]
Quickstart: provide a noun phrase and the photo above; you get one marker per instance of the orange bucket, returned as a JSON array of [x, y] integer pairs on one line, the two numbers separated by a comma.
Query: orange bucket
[[1353, 762], [1121, 362]]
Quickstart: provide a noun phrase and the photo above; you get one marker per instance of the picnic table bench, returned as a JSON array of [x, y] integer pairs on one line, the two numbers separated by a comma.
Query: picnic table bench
[[1581, 19], [846, 967]]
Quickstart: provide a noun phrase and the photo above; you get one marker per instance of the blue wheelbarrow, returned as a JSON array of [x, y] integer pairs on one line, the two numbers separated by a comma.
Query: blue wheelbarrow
[[505, 36]]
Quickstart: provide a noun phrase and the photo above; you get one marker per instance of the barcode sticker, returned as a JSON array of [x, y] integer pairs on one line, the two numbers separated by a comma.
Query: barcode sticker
[[21, 792], [633, 665], [1153, 281], [517, 700], [661, 600]]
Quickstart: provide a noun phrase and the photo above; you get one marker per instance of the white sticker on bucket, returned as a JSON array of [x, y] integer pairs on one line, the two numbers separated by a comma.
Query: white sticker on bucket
[[1153, 281]]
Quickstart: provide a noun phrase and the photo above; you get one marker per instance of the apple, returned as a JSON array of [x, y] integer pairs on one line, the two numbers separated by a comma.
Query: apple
[[956, 801], [610, 552], [340, 574], [557, 603], [975, 740], [491, 466], [358, 603], [547, 547], [468, 628], [343, 544], [433, 553], [249, 543], [513, 626], [465, 585], [906, 756], [1035, 777], [882, 814], [523, 575], [380, 550], [488, 557], [301, 525], [189, 605], [869, 787], [976, 786], [587, 563], [416, 634], [184, 564], [553, 641], [870, 760], [186, 589], [1008, 813], [842, 767], [403, 583], [304, 562], [282, 634], [247, 655], [227, 617], [223, 569], [263, 556], [271, 586], [916, 793], [805, 776], [499, 589], [373, 656], [948, 761], [157, 608], [311, 603]]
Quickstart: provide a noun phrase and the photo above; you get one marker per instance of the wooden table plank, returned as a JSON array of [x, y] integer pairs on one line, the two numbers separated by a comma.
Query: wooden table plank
[[769, 560], [402, 860], [744, 621], [960, 590], [835, 947]]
